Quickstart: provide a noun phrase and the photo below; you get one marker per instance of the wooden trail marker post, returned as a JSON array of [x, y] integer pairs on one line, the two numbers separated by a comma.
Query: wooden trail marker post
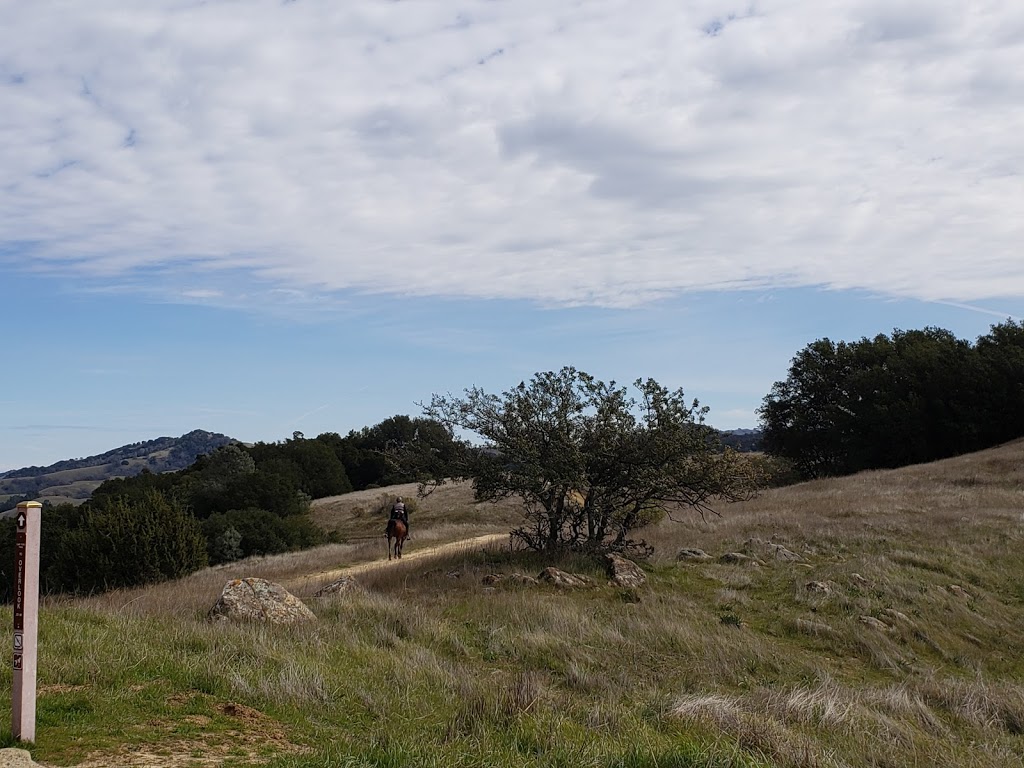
[[26, 619]]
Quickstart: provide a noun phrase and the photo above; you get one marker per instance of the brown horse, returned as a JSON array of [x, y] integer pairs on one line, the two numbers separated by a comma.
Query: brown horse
[[398, 532]]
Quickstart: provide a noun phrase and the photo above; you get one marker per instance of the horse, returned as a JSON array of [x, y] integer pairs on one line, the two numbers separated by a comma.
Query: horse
[[398, 532]]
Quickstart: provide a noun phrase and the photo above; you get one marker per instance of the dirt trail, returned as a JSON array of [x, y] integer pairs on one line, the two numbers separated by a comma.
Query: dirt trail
[[326, 577]]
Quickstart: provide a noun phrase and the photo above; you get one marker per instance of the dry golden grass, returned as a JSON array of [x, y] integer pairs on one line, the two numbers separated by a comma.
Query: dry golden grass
[[447, 513], [911, 653]]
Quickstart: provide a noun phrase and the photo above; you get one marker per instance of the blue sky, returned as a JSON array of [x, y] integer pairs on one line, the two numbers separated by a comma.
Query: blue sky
[[311, 215]]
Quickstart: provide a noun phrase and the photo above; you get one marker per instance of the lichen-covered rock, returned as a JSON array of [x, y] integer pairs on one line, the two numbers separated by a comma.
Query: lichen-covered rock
[[259, 600], [959, 591], [491, 579], [344, 585], [693, 555], [624, 573], [523, 579], [552, 575], [11, 757]]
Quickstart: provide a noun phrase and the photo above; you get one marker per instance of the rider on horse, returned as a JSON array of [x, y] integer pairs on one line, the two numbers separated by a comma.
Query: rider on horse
[[399, 512]]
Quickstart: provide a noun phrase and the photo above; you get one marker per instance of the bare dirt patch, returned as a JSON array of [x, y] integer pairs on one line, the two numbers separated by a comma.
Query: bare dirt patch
[[251, 736]]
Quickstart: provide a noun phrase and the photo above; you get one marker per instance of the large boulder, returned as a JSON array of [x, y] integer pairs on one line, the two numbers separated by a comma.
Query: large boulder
[[623, 572], [259, 600], [12, 757]]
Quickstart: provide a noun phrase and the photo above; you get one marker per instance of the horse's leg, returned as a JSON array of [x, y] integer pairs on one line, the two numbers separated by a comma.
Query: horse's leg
[[389, 547]]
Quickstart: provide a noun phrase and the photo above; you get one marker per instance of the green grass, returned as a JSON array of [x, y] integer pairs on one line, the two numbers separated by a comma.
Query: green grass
[[707, 665]]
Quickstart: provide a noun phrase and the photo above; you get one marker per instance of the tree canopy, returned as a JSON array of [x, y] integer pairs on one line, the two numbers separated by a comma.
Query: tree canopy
[[889, 401], [591, 462]]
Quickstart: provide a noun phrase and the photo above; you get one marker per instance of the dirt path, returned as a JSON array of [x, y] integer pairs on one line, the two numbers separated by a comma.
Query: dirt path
[[326, 577]]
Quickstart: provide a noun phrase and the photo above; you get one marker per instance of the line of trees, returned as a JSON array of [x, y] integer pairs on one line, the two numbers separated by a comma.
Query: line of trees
[[905, 398]]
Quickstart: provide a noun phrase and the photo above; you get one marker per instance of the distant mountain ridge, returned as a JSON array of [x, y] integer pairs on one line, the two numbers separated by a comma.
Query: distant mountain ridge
[[743, 440], [74, 480]]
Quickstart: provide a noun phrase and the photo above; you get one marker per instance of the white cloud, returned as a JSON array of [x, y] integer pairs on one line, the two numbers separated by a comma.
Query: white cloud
[[607, 152]]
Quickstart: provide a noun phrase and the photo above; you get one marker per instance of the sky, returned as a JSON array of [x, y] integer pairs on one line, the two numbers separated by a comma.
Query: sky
[[265, 217]]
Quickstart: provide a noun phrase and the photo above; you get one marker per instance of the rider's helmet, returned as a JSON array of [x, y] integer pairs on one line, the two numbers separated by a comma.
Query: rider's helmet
[[399, 498]]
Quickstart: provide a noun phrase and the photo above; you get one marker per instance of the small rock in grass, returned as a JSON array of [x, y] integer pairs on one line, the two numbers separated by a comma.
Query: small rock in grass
[[344, 585], [693, 555], [897, 616], [819, 587], [735, 558], [874, 623], [560, 578]]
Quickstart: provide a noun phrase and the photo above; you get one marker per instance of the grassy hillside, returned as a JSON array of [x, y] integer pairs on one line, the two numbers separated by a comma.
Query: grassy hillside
[[446, 514], [888, 630]]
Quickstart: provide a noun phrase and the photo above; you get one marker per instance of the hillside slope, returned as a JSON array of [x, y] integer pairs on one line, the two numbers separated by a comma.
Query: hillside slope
[[73, 480], [874, 620]]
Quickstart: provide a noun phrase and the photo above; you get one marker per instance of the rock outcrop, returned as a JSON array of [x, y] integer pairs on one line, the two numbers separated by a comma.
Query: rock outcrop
[[561, 579], [624, 573], [259, 600]]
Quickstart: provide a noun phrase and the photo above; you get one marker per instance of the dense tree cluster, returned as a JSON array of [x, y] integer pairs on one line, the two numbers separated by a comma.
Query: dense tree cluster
[[911, 397], [591, 462]]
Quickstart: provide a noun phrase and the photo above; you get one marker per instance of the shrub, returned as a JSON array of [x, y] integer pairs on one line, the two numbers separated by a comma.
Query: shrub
[[125, 542], [259, 532]]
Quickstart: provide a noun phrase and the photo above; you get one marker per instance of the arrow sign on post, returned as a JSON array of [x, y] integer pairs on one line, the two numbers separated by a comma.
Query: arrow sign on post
[[26, 620]]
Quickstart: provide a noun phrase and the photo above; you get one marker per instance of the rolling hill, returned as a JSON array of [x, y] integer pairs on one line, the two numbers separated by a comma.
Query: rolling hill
[[73, 480]]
